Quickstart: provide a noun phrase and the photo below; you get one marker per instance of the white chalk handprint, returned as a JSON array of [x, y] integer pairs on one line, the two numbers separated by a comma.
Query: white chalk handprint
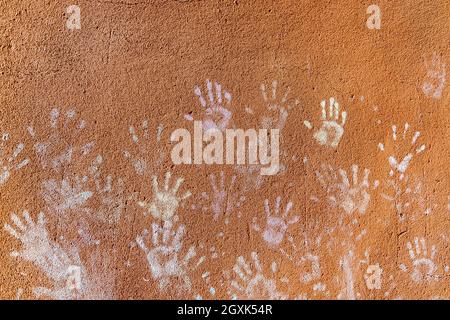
[[62, 267], [250, 281], [223, 198], [401, 152], [66, 194], [216, 105], [34, 238], [165, 257], [305, 257], [59, 147], [331, 131], [111, 193], [281, 105], [407, 195], [350, 196], [277, 223], [141, 154], [165, 202], [422, 261]]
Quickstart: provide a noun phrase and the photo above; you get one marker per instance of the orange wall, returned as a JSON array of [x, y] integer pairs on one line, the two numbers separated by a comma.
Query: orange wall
[[91, 111]]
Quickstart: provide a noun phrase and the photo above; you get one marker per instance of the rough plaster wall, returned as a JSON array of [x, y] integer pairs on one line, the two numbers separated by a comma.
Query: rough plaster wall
[[136, 60]]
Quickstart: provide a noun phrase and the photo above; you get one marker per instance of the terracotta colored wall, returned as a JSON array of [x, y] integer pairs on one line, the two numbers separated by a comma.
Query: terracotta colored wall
[[86, 119]]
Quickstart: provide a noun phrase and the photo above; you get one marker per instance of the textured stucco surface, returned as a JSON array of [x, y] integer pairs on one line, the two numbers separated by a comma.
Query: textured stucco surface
[[137, 60]]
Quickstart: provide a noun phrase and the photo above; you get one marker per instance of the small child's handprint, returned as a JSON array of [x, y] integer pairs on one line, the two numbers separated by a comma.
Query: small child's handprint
[[277, 223], [217, 113], [330, 133], [165, 202]]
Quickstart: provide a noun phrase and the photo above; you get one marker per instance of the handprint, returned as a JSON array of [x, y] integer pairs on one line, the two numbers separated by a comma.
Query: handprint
[[217, 113], [330, 133], [401, 151], [407, 196], [111, 194], [276, 104], [142, 153], [70, 289], [165, 202], [223, 198], [58, 149], [37, 247], [219, 194], [164, 258], [251, 283], [422, 263], [276, 223], [305, 258], [349, 196], [67, 194]]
